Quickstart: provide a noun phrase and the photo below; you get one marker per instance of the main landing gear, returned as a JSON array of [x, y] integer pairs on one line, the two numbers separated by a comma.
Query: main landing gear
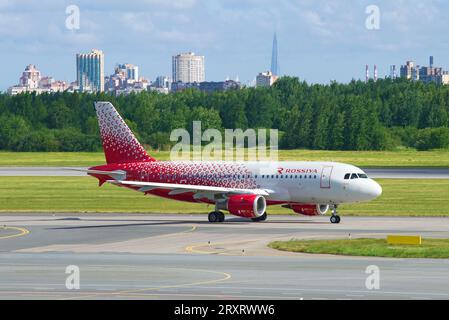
[[216, 216], [261, 218], [335, 218]]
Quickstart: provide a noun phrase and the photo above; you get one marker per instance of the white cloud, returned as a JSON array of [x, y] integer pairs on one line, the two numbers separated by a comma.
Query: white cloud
[[176, 4], [235, 35]]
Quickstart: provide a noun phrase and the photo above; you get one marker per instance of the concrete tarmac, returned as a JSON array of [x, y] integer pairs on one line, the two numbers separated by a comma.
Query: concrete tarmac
[[125, 256], [379, 173]]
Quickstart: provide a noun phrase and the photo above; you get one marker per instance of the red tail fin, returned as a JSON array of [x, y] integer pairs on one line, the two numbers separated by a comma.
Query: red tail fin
[[119, 143]]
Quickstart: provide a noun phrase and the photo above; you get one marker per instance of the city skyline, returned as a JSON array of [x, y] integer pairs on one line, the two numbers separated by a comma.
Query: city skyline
[[188, 72], [318, 41]]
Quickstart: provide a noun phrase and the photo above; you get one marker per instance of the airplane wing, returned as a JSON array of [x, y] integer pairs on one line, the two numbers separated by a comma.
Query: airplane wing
[[176, 189], [184, 188]]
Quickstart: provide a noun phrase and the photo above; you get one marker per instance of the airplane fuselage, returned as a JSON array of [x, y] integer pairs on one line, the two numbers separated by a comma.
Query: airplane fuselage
[[288, 182], [242, 188]]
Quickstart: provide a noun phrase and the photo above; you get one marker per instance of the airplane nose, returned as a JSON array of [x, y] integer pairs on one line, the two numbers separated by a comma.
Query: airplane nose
[[376, 190]]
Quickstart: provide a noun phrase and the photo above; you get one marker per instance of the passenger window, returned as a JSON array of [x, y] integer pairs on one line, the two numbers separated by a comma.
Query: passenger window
[[347, 176], [354, 176]]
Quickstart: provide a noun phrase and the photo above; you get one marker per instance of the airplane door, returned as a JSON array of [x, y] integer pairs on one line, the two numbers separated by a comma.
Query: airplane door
[[326, 177]]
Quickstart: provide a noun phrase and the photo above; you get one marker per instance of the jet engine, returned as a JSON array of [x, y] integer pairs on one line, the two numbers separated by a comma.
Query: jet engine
[[309, 209], [246, 205]]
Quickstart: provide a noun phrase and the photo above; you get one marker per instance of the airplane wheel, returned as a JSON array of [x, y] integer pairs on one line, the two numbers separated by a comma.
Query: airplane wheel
[[335, 219], [261, 218], [214, 217], [221, 216]]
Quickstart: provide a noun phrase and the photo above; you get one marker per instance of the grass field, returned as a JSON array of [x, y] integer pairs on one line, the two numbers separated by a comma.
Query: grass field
[[430, 248], [404, 158], [81, 194]]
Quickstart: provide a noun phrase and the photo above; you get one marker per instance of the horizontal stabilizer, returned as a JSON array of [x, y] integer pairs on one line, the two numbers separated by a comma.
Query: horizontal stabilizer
[[117, 174]]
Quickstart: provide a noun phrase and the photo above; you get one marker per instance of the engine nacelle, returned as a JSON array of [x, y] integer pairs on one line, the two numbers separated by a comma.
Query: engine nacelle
[[310, 209], [246, 205]]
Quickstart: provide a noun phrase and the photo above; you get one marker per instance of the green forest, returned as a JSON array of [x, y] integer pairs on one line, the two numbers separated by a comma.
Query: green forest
[[382, 115]]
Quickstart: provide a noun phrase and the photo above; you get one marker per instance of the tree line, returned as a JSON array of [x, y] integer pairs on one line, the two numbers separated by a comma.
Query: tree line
[[380, 115]]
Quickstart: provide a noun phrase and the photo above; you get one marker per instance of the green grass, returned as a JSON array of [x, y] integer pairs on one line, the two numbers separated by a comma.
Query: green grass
[[403, 197], [403, 158], [430, 248], [82, 194]]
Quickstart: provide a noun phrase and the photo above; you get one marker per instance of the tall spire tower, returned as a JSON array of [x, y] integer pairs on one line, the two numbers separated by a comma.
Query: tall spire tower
[[274, 57]]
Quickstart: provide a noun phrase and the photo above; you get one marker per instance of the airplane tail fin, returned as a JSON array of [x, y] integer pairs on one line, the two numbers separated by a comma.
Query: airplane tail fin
[[119, 143]]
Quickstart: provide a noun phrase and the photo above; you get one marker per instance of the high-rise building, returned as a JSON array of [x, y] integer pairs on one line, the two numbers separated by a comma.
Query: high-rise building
[[32, 81], [265, 79], [274, 57], [30, 77], [393, 74], [130, 71], [90, 71], [211, 87], [126, 80], [366, 73], [430, 74], [408, 70], [162, 82], [188, 68]]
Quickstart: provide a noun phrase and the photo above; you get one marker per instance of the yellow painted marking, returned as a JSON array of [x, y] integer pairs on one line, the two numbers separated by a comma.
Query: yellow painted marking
[[414, 240], [227, 276], [22, 232]]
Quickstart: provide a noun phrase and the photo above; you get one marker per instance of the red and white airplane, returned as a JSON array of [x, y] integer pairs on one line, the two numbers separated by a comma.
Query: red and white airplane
[[244, 189]]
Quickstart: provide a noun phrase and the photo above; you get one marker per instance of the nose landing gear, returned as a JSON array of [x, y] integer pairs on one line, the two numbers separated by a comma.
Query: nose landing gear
[[335, 218]]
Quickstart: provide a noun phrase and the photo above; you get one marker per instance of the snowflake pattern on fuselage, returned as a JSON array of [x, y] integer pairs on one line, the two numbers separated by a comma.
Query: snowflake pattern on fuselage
[[119, 143]]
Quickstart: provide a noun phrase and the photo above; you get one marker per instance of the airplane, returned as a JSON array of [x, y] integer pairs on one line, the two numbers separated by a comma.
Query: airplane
[[244, 189]]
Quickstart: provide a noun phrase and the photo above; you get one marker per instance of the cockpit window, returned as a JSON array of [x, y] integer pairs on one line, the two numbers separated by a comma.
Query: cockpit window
[[353, 176]]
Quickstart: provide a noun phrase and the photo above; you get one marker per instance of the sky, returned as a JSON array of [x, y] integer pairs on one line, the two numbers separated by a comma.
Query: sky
[[319, 41]]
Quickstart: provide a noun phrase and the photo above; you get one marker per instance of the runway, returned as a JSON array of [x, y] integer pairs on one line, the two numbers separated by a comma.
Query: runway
[[379, 173], [125, 256]]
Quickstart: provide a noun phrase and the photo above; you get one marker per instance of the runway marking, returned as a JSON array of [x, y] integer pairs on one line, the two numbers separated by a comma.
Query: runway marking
[[147, 295], [419, 296], [227, 276], [355, 295], [194, 248], [22, 232], [192, 229]]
